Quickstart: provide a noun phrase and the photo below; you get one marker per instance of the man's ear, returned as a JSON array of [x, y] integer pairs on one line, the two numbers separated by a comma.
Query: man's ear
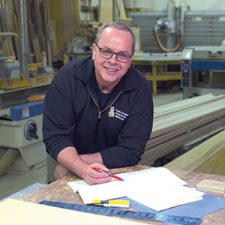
[[93, 48]]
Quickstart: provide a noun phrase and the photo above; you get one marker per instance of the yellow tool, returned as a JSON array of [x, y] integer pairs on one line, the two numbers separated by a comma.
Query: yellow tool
[[122, 203]]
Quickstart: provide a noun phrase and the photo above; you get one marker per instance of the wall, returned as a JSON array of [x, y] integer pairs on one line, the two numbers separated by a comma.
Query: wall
[[159, 5], [204, 4]]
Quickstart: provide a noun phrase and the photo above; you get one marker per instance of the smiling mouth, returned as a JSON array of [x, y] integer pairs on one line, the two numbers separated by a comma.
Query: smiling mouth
[[111, 69]]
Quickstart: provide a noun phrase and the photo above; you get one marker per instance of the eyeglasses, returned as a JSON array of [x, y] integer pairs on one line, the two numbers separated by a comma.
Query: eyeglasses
[[107, 53]]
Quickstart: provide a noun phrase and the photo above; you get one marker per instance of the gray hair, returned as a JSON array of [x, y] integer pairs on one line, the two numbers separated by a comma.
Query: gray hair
[[119, 26]]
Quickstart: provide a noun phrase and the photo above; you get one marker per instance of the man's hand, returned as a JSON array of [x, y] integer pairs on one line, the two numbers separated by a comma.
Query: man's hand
[[91, 176], [82, 166]]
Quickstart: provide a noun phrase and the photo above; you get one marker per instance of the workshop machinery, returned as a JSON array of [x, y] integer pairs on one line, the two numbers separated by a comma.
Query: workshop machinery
[[21, 123], [172, 26], [178, 26], [21, 107], [22, 90], [203, 70]]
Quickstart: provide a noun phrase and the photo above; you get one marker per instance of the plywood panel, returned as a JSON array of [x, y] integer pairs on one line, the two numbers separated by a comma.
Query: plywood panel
[[214, 165], [196, 157], [27, 213]]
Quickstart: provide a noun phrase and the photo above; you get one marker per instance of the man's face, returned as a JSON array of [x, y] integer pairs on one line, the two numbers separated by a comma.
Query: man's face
[[110, 71]]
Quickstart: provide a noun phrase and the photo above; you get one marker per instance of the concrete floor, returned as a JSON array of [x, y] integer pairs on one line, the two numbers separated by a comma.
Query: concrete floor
[[18, 179]]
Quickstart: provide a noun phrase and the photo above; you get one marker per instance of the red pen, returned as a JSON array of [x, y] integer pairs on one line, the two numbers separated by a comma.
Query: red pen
[[109, 173]]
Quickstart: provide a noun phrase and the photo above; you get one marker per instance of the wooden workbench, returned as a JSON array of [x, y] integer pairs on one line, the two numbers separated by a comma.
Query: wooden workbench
[[158, 63], [61, 192]]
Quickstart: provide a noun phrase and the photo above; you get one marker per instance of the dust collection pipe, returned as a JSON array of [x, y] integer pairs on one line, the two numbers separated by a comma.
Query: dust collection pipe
[[174, 49], [7, 160], [171, 16], [23, 39]]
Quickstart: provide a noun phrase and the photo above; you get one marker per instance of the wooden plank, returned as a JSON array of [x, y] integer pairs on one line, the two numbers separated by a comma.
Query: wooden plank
[[191, 160], [105, 11], [37, 19], [214, 165], [54, 40], [68, 12], [37, 49], [55, 16], [165, 110], [120, 10], [166, 124], [48, 31], [48, 215], [5, 27], [214, 186]]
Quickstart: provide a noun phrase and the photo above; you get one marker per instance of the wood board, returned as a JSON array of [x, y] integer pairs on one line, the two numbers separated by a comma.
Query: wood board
[[105, 11], [27, 213], [214, 165], [191, 160]]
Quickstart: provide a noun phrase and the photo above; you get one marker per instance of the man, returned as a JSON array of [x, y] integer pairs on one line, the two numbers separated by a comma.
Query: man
[[99, 111]]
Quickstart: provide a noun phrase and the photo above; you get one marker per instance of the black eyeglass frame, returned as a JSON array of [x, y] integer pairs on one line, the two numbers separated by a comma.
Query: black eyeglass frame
[[126, 59]]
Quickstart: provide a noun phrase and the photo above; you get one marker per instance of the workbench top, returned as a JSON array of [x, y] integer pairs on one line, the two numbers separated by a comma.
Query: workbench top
[[59, 191], [154, 57]]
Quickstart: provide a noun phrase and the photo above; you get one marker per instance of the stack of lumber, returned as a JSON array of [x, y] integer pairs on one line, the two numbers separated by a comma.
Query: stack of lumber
[[8, 26], [38, 25], [181, 122]]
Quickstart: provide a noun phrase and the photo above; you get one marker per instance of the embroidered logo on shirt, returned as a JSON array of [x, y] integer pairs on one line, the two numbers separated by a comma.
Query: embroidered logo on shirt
[[117, 113], [111, 111]]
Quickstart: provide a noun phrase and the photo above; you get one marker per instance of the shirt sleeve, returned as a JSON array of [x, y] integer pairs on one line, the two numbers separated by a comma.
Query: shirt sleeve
[[58, 119]]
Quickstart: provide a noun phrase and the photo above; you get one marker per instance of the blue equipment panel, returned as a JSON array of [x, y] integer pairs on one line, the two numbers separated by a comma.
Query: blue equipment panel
[[211, 65], [26, 110]]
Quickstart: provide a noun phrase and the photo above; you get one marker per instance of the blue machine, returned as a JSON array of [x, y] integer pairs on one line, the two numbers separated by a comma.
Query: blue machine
[[21, 128], [26, 110], [203, 70]]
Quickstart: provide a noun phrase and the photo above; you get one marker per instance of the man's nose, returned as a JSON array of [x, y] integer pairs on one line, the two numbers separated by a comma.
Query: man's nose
[[113, 58]]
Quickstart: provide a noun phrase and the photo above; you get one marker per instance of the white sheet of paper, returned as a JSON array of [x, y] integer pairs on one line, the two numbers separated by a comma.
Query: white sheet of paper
[[157, 188], [88, 193], [154, 176], [160, 198]]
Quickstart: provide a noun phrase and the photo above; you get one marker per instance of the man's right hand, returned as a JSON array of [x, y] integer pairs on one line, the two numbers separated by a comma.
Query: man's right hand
[[91, 176], [82, 166]]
